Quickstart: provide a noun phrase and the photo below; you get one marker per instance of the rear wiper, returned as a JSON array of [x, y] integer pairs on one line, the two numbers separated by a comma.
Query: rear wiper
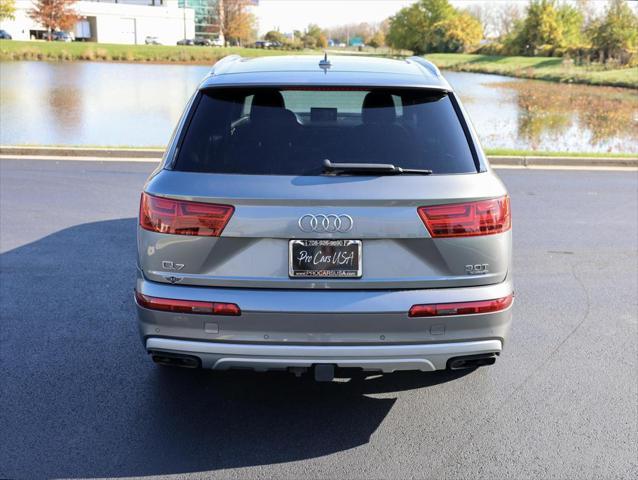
[[370, 169]]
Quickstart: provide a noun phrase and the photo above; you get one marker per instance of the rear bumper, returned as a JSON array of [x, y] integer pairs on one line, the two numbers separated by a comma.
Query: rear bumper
[[358, 328], [385, 358]]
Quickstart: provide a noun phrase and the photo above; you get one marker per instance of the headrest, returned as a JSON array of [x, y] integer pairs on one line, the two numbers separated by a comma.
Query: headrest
[[267, 98], [378, 107]]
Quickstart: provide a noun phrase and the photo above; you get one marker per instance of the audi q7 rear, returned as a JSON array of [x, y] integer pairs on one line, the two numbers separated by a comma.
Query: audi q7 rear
[[320, 213]]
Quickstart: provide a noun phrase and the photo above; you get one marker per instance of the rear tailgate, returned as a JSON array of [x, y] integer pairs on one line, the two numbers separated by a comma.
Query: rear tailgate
[[397, 251]]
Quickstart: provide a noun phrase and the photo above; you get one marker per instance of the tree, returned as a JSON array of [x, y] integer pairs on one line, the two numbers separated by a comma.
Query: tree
[[343, 33], [617, 33], [508, 16], [461, 33], [487, 15], [412, 28], [236, 22], [54, 14], [546, 27], [314, 37], [572, 21], [7, 9], [540, 27], [275, 36], [377, 40]]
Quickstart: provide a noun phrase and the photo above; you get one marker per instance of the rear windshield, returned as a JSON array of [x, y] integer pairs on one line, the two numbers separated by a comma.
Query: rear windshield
[[291, 131]]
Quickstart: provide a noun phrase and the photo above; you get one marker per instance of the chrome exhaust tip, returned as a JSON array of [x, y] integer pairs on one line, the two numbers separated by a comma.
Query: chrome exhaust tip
[[471, 361], [175, 360]]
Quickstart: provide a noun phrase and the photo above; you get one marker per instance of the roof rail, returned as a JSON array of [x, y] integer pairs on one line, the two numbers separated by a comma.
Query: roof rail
[[223, 61], [433, 69]]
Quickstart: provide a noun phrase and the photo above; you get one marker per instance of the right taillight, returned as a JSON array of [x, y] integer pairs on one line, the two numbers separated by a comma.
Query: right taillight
[[468, 219], [179, 217], [461, 308]]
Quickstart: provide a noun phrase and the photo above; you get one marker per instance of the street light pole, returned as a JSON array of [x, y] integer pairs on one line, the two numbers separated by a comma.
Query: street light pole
[[184, 18]]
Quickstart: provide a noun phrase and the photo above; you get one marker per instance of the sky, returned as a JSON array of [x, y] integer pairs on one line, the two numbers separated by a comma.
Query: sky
[[288, 15]]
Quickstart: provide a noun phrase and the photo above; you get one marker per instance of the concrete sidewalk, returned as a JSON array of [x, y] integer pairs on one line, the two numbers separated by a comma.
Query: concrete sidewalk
[[154, 154]]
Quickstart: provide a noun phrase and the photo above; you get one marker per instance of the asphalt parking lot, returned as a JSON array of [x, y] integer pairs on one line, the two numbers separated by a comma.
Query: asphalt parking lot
[[80, 398]]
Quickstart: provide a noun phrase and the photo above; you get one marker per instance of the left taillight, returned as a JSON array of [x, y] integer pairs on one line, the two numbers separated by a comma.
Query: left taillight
[[180, 217], [186, 306], [468, 219]]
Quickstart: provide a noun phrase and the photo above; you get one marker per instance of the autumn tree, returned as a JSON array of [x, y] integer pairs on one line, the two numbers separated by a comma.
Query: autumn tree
[[616, 34], [546, 27], [236, 22], [461, 33], [314, 37], [377, 39], [7, 9], [54, 14], [433, 26], [540, 27]]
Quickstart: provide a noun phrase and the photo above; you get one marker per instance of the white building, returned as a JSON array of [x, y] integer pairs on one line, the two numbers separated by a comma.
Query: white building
[[114, 21]]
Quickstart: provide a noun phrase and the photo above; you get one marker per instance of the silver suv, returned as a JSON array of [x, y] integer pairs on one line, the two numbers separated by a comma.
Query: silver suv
[[313, 213]]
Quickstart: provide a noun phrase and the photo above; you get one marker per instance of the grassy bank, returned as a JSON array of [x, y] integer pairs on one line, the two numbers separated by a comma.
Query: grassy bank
[[541, 68], [490, 152], [508, 152], [77, 51]]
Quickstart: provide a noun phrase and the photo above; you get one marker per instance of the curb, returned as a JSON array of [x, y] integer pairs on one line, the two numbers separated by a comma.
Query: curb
[[529, 161], [156, 154]]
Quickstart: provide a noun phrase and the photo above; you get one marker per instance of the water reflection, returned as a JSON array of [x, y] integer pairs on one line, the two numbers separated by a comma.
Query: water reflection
[[547, 112], [93, 103]]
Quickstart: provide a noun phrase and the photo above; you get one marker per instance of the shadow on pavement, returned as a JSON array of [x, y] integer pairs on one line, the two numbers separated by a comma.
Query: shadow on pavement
[[80, 398]]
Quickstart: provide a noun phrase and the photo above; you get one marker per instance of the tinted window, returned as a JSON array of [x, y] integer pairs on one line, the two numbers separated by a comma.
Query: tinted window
[[291, 131]]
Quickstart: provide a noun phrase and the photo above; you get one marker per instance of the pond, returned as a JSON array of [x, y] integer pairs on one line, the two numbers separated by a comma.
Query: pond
[[117, 104]]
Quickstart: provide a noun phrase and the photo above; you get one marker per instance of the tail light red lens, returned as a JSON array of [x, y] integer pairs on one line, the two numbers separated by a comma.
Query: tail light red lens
[[469, 219], [186, 306], [461, 308], [180, 217], [226, 309]]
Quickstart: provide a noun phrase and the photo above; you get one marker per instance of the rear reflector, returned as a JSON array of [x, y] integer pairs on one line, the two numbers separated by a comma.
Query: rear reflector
[[485, 217], [186, 306], [180, 217], [461, 308]]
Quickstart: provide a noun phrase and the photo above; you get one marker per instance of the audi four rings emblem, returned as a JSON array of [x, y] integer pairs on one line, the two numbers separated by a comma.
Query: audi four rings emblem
[[326, 223]]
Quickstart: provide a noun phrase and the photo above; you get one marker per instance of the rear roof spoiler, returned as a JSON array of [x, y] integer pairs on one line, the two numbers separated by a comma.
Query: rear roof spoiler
[[224, 61], [429, 66]]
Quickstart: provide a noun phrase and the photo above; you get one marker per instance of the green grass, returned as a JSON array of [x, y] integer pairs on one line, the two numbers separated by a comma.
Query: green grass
[[509, 152], [74, 51], [542, 68]]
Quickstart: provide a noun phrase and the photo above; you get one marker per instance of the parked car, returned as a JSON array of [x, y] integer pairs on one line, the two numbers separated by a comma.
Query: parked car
[[310, 215], [59, 36], [202, 42], [4, 35], [151, 41], [185, 41], [217, 42], [262, 44]]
